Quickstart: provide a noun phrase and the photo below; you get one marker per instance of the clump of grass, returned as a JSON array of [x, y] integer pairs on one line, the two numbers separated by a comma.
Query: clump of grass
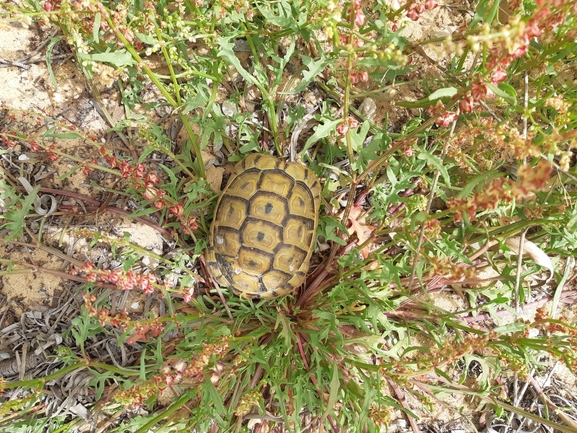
[[448, 197]]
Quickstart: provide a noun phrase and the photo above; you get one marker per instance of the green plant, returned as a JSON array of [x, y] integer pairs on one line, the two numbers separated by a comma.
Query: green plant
[[414, 206]]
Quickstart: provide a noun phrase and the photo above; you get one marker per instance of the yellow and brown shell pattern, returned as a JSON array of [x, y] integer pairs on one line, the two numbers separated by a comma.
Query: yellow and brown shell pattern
[[264, 228]]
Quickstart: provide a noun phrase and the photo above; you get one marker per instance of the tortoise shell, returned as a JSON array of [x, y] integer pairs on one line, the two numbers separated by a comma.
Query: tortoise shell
[[263, 232]]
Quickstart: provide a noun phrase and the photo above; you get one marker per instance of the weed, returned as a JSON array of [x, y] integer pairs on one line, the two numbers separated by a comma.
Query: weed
[[415, 269]]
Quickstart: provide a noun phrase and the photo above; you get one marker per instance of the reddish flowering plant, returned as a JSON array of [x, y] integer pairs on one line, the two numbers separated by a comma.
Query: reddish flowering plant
[[140, 331], [120, 320], [145, 331], [51, 154], [416, 9], [111, 160], [151, 193], [139, 178], [125, 280], [447, 269], [515, 43], [86, 169], [498, 75], [348, 123], [447, 118], [8, 138], [190, 224], [137, 395], [362, 77], [188, 294], [432, 229], [177, 210], [7, 141], [359, 17], [530, 180], [178, 370], [467, 104], [126, 169]]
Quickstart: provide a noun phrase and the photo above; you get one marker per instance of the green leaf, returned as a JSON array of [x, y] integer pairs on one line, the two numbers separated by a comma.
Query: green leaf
[[117, 58], [226, 51], [511, 328], [467, 189], [334, 388], [436, 162], [314, 69], [416, 220], [446, 92], [281, 17], [213, 396], [51, 45], [96, 27], [504, 91], [328, 227], [486, 11], [358, 136], [285, 333], [147, 39], [509, 90], [17, 214], [323, 130], [142, 212], [282, 62], [371, 151], [65, 136]]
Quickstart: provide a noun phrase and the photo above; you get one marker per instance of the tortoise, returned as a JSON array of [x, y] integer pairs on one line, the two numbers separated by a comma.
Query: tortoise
[[264, 228]]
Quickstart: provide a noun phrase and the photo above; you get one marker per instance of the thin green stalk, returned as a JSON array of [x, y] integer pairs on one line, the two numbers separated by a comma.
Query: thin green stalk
[[269, 100], [40, 382], [153, 77]]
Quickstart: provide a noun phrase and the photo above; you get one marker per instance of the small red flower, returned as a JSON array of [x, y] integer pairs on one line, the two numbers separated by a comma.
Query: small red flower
[[498, 76], [467, 104], [151, 193], [479, 90], [359, 18], [125, 169], [191, 223], [177, 210], [447, 118], [152, 177], [139, 171]]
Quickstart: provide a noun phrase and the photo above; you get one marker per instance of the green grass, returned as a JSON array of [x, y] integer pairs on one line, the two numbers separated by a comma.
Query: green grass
[[431, 198]]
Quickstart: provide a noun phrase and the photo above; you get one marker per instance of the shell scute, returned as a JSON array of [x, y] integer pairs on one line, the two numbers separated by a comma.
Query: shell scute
[[277, 182], [261, 235], [233, 211], [268, 207], [263, 232], [245, 186]]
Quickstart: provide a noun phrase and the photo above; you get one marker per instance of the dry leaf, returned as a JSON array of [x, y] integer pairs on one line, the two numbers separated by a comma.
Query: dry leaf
[[358, 224], [536, 253], [208, 158], [214, 177]]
